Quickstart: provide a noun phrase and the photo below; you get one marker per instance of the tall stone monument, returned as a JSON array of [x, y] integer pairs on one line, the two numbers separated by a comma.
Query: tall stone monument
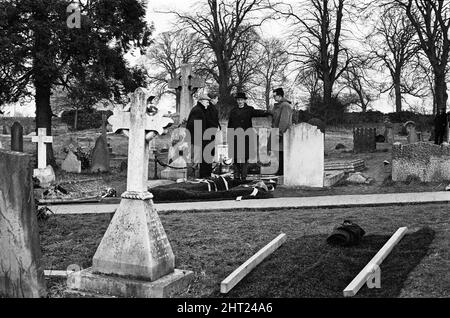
[[186, 85], [134, 258]]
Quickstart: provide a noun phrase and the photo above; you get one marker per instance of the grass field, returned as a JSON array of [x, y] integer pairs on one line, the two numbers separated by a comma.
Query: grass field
[[213, 244]]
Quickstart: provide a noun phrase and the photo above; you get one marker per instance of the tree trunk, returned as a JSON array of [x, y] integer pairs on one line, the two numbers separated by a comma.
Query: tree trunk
[[42, 68], [327, 94], [398, 95], [440, 90]]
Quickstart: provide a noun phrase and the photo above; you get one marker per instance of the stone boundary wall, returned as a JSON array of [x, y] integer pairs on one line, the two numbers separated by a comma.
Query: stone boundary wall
[[427, 161]]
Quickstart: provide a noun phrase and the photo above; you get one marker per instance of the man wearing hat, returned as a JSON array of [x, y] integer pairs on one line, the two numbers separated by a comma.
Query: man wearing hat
[[241, 117], [201, 118], [282, 120]]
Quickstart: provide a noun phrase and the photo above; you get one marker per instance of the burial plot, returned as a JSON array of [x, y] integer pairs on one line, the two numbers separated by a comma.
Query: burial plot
[[364, 140], [186, 85], [134, 258], [17, 137], [21, 274], [428, 162], [304, 156], [44, 172]]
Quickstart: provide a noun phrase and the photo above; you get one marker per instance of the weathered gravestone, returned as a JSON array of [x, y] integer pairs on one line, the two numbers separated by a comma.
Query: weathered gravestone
[[428, 162], [186, 85], [21, 274], [304, 156], [71, 163], [179, 152], [44, 172], [134, 258], [389, 132], [364, 140], [100, 156], [17, 137], [410, 127]]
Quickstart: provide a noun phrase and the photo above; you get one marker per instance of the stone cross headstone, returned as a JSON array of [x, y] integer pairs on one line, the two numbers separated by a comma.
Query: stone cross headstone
[[186, 84], [21, 270], [17, 137], [304, 156], [71, 163], [412, 133], [134, 258], [364, 139], [44, 172]]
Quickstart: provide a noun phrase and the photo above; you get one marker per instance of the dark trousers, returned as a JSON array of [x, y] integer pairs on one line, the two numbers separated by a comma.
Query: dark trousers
[[205, 170], [439, 136], [240, 171], [280, 171]]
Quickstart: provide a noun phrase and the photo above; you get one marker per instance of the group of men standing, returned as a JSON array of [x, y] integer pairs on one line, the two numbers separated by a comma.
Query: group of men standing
[[240, 119]]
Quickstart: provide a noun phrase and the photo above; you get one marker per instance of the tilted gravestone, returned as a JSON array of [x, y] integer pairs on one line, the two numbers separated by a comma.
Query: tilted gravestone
[[304, 156], [21, 274], [17, 137], [364, 140], [428, 162]]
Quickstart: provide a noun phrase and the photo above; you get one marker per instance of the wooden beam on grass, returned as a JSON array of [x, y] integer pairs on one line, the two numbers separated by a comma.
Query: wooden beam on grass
[[234, 278], [372, 268]]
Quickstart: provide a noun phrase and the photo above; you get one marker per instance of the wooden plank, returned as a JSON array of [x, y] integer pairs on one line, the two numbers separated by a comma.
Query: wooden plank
[[242, 271], [361, 278], [55, 273]]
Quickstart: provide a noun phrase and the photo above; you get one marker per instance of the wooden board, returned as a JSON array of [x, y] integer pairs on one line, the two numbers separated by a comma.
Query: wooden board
[[234, 278], [361, 278]]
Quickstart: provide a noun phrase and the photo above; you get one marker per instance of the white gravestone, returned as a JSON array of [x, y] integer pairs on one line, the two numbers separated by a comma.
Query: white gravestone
[[44, 172], [134, 258], [304, 156]]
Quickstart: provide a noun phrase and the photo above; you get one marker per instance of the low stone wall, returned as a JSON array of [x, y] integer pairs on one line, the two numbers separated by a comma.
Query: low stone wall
[[427, 161], [21, 275]]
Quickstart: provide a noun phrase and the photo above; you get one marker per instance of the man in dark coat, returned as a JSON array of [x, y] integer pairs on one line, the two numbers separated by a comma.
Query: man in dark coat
[[241, 117], [440, 126], [201, 118]]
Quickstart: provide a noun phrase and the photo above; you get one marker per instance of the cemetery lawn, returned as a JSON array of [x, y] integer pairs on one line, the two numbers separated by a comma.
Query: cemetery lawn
[[214, 244]]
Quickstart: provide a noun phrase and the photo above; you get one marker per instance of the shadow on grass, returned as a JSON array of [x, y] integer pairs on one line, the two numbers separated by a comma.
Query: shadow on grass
[[309, 267]]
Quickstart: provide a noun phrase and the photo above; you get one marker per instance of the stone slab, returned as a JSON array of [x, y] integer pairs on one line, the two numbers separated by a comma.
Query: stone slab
[[333, 177], [90, 284], [21, 273]]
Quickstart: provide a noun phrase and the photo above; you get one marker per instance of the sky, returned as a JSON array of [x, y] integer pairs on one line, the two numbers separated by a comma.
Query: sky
[[164, 22]]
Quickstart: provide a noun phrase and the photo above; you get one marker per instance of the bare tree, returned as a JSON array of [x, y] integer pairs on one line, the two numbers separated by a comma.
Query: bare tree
[[222, 25], [356, 78], [319, 27], [272, 71], [431, 20], [393, 46], [165, 56]]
